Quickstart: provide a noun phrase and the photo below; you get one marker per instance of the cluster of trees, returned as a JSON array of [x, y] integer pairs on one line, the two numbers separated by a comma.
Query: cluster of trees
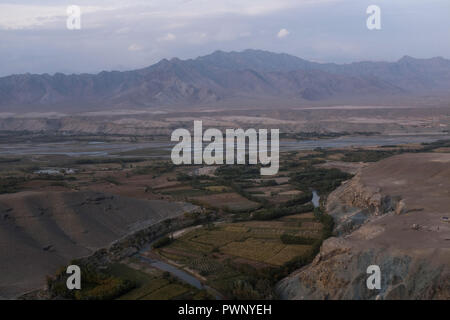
[[327, 222], [303, 198], [253, 284], [435, 145], [368, 155], [251, 289], [11, 184], [10, 160], [322, 180], [164, 241], [156, 168], [309, 135], [377, 155], [95, 285], [293, 239], [239, 172], [108, 160], [183, 177], [275, 213]]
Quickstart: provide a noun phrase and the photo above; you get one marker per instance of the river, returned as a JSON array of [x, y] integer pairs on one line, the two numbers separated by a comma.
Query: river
[[176, 271], [163, 148], [316, 198], [179, 273], [186, 277]]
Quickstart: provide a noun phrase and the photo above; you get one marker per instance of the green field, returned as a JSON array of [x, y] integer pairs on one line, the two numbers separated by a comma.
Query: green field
[[154, 285], [228, 253], [129, 280], [256, 241]]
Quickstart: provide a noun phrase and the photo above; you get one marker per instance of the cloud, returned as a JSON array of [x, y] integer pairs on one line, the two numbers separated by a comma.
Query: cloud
[[30, 15], [138, 33], [283, 33], [123, 30], [19, 17], [13, 17], [203, 8], [134, 47], [168, 37]]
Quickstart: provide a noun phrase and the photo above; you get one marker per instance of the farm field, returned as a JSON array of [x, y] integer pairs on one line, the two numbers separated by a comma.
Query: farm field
[[231, 201], [220, 252], [152, 284], [275, 194]]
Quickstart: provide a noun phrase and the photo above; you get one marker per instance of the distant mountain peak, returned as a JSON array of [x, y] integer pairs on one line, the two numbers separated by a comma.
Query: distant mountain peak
[[410, 59], [249, 75], [407, 58]]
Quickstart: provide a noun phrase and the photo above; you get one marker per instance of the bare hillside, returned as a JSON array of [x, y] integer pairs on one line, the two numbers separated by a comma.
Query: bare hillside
[[41, 231]]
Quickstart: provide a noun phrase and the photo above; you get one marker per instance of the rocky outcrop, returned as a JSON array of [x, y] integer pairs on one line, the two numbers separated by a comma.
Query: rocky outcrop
[[354, 203], [389, 215], [339, 271]]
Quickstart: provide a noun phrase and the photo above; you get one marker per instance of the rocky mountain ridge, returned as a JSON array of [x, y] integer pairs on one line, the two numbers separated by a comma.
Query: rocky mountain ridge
[[227, 78]]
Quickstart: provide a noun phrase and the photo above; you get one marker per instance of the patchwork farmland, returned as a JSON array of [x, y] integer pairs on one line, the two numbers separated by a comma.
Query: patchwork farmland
[[220, 252]]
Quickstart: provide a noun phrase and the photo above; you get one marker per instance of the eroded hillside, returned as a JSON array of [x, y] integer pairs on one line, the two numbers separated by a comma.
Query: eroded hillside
[[41, 231], [392, 214]]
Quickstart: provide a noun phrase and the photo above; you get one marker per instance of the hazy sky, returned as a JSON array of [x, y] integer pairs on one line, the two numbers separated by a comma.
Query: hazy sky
[[122, 35]]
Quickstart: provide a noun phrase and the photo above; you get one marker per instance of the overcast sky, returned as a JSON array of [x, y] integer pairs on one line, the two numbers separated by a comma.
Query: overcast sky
[[123, 35]]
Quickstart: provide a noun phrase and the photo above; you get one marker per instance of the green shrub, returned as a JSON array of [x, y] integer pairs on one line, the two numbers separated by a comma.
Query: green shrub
[[301, 199], [95, 285], [322, 180], [164, 241], [274, 213], [291, 239]]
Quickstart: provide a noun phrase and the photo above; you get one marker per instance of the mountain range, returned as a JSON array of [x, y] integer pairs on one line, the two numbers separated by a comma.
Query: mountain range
[[228, 78]]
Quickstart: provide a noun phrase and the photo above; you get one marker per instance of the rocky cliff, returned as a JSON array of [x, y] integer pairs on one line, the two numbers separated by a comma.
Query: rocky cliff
[[391, 214]]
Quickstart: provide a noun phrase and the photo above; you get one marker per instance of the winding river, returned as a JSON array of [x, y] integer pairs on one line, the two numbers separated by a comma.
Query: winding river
[[177, 272], [162, 148], [316, 199], [187, 277]]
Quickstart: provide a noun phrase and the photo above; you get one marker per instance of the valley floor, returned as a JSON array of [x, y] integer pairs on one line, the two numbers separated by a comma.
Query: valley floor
[[246, 232]]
